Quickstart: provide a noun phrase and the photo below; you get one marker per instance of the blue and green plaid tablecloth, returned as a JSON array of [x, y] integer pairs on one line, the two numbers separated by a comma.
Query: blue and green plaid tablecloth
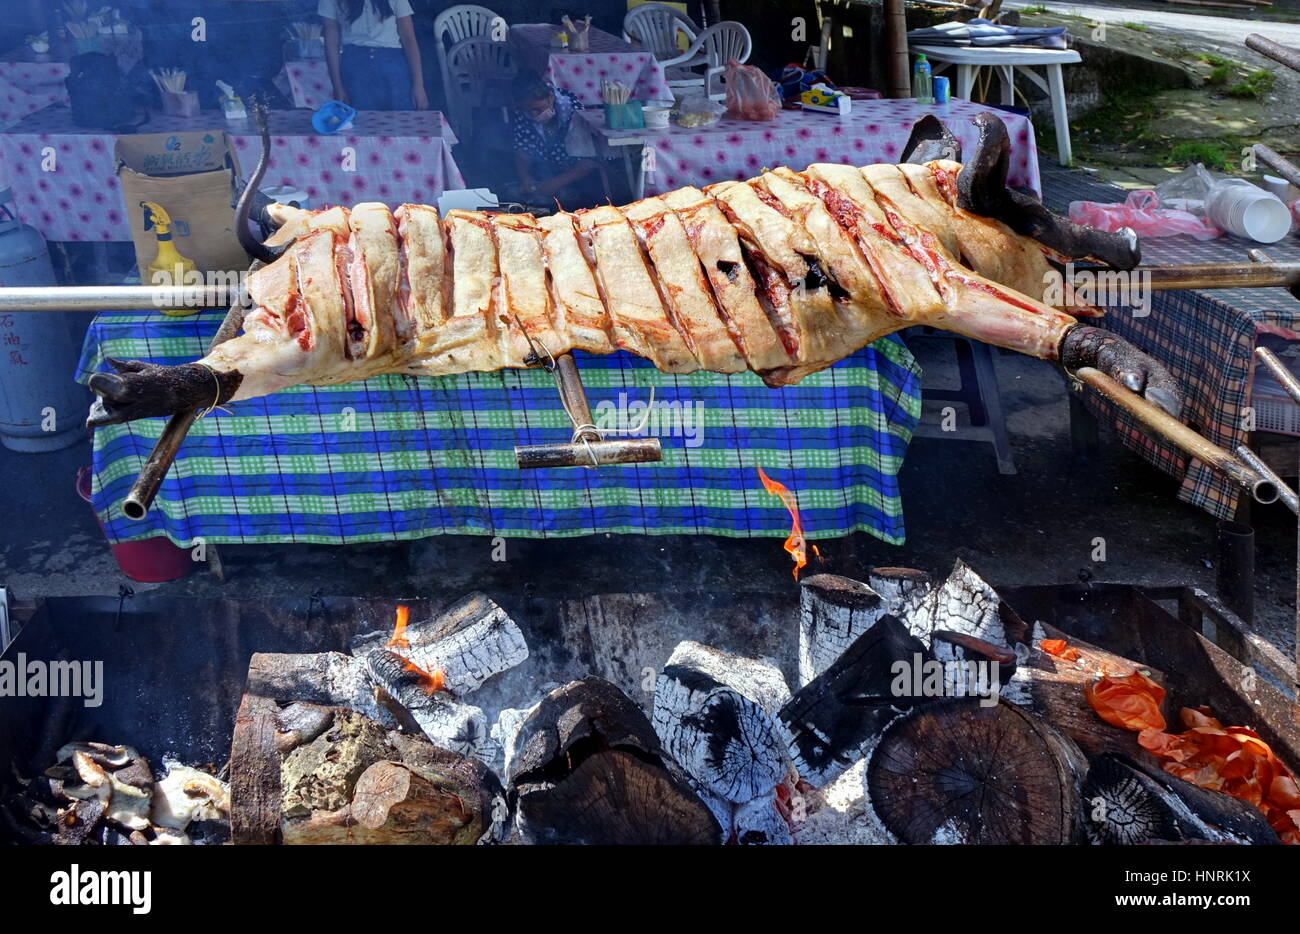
[[400, 457]]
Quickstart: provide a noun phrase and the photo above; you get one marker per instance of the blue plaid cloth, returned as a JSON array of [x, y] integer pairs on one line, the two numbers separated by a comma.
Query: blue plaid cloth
[[400, 457]]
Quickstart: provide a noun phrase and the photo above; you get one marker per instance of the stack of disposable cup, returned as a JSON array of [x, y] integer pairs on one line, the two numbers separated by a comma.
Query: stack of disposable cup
[[1250, 212]]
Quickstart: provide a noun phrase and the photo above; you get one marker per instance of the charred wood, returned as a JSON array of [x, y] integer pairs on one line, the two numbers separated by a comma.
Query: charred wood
[[589, 769], [832, 719], [961, 771]]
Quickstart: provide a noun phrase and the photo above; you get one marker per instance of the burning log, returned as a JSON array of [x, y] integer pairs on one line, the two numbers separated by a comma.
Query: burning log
[[589, 769], [1128, 802], [716, 715], [834, 717], [468, 643], [902, 589], [418, 694], [330, 679], [301, 723], [960, 771], [833, 611]]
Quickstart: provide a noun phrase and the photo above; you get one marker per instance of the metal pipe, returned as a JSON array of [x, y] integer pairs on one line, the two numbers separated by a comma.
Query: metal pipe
[[1280, 372], [142, 492], [1236, 568], [119, 297], [1256, 463], [1175, 432], [1279, 53]]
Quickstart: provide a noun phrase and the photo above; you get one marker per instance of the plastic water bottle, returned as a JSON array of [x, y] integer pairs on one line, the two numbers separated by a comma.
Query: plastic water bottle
[[922, 83]]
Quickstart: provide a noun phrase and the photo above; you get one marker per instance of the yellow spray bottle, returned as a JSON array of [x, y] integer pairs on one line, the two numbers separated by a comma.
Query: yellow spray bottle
[[169, 267]]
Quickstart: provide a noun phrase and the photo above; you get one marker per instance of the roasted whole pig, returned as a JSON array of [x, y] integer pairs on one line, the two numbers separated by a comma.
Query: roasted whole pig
[[784, 274]]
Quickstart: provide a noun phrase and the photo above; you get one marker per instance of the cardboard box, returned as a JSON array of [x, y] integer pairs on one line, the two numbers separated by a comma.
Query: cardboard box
[[192, 175]]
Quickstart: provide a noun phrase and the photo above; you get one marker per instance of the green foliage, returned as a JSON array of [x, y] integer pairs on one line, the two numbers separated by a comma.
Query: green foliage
[[1256, 85], [1212, 155]]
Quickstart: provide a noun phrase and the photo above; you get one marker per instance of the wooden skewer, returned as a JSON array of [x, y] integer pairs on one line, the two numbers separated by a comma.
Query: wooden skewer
[[1175, 432], [1238, 275]]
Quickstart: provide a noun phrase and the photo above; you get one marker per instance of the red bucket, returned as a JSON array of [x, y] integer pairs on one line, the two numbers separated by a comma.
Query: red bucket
[[150, 560]]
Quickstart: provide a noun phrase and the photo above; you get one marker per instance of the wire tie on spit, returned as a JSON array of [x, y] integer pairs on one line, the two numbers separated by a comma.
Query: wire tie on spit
[[216, 400]]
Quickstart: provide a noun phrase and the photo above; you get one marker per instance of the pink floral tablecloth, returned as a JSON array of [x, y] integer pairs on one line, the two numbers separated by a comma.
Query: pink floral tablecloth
[[394, 157], [581, 72], [29, 86], [875, 131]]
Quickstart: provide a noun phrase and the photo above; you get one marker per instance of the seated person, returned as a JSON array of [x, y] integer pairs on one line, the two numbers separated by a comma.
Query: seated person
[[539, 128]]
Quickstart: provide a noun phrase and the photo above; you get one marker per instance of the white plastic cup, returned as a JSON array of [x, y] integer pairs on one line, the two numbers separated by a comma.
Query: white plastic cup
[[1249, 212]]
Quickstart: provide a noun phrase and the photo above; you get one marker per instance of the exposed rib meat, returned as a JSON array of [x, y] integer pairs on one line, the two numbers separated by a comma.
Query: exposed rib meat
[[784, 274]]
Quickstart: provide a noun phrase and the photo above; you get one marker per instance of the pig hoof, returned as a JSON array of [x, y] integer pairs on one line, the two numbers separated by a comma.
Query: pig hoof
[[1121, 361]]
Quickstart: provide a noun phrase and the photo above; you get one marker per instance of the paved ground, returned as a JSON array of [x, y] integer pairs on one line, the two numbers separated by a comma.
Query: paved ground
[[1038, 526], [1225, 26]]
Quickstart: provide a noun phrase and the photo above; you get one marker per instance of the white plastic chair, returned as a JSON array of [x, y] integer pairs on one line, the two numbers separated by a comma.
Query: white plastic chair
[[456, 24], [479, 71], [656, 26], [721, 43]]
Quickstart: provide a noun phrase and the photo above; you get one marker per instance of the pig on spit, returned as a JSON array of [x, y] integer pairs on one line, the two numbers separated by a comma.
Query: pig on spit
[[784, 274]]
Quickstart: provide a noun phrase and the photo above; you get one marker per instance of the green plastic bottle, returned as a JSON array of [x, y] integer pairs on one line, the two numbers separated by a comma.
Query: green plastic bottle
[[922, 83]]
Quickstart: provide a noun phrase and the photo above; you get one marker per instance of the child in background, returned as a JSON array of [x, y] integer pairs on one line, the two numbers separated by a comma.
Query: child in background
[[539, 128], [379, 66]]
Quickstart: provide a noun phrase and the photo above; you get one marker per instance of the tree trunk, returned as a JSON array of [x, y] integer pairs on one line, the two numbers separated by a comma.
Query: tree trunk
[[960, 771], [897, 72]]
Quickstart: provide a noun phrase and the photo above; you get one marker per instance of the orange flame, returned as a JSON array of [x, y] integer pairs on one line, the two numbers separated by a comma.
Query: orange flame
[[398, 640], [795, 544], [431, 682]]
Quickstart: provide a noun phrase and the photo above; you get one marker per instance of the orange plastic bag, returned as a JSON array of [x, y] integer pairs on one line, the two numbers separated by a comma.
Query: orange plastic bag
[[1233, 760], [751, 95], [1130, 703], [1060, 649]]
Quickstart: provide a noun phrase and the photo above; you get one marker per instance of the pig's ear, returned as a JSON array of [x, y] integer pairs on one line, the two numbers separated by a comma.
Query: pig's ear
[[930, 140]]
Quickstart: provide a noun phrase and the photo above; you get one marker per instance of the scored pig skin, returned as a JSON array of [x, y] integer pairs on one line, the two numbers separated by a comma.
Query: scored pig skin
[[784, 274]]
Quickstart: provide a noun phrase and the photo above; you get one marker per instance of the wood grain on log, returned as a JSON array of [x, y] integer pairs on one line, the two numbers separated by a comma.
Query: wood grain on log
[[957, 771], [413, 806], [589, 769], [255, 773], [1127, 802], [468, 643], [716, 716], [331, 679], [831, 719], [446, 721], [833, 611], [1054, 689]]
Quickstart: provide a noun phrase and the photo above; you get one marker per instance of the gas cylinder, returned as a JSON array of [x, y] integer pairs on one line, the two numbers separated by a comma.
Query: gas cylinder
[[42, 407]]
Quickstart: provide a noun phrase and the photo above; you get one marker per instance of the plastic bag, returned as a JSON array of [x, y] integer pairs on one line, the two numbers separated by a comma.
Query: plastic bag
[[751, 95], [1143, 213], [699, 111]]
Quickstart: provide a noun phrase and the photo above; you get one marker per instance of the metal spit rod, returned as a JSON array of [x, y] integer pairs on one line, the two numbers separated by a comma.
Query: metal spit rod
[[118, 297], [1260, 487]]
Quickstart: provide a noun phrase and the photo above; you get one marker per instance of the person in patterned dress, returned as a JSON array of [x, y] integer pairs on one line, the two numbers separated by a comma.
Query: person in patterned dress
[[539, 129]]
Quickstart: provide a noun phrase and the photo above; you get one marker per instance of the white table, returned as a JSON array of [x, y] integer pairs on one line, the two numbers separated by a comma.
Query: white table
[[1007, 60]]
